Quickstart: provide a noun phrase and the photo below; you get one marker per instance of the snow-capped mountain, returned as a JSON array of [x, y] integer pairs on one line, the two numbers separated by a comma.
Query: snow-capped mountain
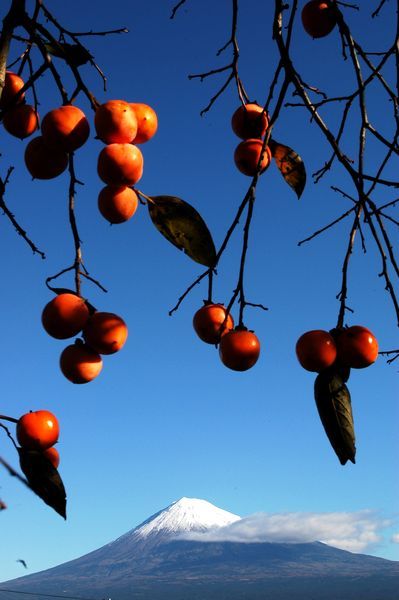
[[166, 557], [183, 516]]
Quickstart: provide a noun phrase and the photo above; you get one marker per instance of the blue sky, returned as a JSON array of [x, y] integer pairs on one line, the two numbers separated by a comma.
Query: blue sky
[[165, 419]]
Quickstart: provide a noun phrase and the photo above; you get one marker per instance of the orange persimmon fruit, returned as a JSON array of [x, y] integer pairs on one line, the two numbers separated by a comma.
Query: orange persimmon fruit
[[147, 122], [239, 349], [120, 164], [247, 156], [105, 332], [318, 18], [80, 363], [208, 320], [37, 430], [357, 347], [117, 204], [249, 121], [65, 128], [12, 84], [316, 350], [65, 315], [115, 122], [53, 456], [43, 162], [21, 121]]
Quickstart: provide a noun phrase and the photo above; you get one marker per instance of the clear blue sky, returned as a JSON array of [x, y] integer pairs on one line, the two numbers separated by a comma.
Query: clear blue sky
[[165, 419]]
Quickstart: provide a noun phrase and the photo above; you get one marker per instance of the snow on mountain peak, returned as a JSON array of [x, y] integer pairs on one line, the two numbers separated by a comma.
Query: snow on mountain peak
[[184, 515]]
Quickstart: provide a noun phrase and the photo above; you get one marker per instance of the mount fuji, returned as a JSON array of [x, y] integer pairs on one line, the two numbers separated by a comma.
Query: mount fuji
[[172, 555]]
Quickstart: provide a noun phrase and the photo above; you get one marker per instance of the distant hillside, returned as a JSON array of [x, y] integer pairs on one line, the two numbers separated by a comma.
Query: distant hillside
[[149, 563]]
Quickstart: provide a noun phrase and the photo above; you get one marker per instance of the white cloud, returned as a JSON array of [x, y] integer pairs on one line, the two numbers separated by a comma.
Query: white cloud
[[353, 531], [395, 538]]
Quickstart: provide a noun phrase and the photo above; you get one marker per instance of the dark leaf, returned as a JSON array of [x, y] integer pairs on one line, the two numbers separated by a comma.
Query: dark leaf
[[184, 227], [291, 166], [59, 291], [335, 410], [75, 54], [43, 479], [340, 370]]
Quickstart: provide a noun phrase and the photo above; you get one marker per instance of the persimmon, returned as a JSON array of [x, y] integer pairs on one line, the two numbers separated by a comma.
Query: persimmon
[[120, 164], [249, 121], [37, 430], [208, 320], [247, 155], [316, 350], [21, 121], [65, 315], [105, 332], [115, 122], [43, 162], [147, 122], [117, 204], [65, 128], [318, 18], [357, 347], [12, 84], [53, 455], [80, 363], [239, 349]]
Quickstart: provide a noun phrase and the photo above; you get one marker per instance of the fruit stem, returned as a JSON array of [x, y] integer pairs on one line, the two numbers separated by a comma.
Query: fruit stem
[[72, 219], [7, 418], [148, 198], [210, 286], [243, 256]]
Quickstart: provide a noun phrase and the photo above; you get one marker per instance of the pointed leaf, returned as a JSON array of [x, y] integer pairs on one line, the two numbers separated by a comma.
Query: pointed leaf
[[291, 166], [184, 227], [75, 54], [43, 479], [335, 410]]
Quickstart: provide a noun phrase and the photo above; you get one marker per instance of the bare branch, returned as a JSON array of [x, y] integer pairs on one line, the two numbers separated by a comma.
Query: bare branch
[[11, 217]]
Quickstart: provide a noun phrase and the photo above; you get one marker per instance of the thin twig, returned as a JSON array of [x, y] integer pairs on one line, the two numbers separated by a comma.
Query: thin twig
[[11, 217]]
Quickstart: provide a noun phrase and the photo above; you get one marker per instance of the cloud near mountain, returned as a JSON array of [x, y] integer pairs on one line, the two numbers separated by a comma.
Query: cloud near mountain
[[353, 531]]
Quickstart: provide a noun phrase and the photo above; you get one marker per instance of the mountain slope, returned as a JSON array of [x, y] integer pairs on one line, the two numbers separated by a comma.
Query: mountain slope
[[154, 561]]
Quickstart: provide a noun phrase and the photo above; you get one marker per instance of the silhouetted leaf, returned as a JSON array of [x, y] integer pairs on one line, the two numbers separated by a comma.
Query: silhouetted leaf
[[75, 54], [62, 290], [291, 166], [43, 479], [340, 370], [184, 227], [335, 410]]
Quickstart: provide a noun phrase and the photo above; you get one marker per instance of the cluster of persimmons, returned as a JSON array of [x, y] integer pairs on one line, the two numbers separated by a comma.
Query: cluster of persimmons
[[239, 348], [120, 166], [103, 333], [250, 123], [119, 124], [353, 347]]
